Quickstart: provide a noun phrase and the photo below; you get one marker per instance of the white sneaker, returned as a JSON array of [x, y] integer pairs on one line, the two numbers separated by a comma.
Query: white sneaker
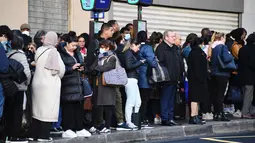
[[69, 134], [207, 116], [132, 126], [211, 115], [92, 130], [238, 114], [83, 133], [157, 121], [105, 130]]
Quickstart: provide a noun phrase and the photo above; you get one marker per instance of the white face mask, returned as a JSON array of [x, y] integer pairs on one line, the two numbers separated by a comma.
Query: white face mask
[[127, 37], [101, 50], [26, 33]]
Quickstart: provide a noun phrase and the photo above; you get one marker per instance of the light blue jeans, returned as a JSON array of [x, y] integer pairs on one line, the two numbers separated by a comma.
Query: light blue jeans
[[1, 100]]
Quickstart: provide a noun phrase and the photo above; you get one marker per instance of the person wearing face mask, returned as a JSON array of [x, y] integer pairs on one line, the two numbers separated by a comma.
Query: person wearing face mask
[[72, 98], [106, 97], [125, 32], [25, 30]]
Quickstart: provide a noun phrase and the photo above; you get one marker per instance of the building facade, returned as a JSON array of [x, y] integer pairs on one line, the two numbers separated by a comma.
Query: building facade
[[183, 16]]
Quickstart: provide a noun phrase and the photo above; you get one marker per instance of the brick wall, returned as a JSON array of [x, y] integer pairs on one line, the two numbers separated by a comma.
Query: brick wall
[[50, 15]]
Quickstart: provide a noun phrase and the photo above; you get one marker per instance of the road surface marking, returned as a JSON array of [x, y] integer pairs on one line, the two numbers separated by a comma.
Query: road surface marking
[[234, 137], [217, 140]]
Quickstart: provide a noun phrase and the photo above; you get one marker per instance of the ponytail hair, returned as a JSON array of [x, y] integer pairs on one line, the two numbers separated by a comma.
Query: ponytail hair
[[129, 43], [217, 36], [71, 37]]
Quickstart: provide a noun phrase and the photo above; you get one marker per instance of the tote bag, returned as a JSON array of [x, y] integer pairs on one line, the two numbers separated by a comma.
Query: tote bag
[[115, 77], [159, 73]]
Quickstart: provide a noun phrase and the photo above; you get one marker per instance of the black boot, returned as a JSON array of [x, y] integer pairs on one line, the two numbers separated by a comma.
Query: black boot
[[193, 120], [136, 119], [223, 117]]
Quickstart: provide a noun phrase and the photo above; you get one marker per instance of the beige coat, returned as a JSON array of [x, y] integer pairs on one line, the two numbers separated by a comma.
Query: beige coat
[[46, 89]]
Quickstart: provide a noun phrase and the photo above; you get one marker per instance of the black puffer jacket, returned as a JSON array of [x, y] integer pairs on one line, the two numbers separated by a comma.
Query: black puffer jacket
[[71, 88], [131, 64]]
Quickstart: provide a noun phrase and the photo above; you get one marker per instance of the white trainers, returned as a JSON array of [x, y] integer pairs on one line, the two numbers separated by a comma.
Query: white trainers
[[105, 130], [83, 133], [69, 134], [132, 126], [92, 130], [157, 121], [207, 116], [238, 114]]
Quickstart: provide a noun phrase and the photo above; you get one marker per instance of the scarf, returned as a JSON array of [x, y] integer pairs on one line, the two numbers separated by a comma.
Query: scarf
[[52, 62], [103, 56]]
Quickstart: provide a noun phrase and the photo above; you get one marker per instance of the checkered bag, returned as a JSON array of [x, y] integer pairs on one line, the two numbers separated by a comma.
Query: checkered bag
[[115, 77]]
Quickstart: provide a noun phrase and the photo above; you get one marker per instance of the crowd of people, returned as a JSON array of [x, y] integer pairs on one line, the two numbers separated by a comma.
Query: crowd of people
[[94, 83]]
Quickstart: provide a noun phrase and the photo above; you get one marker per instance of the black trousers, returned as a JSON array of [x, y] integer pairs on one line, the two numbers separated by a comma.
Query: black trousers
[[206, 105], [109, 110], [72, 116], [13, 112], [39, 129], [219, 84], [145, 94]]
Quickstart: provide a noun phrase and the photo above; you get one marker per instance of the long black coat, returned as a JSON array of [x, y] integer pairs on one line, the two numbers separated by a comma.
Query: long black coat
[[246, 67], [71, 88], [197, 75]]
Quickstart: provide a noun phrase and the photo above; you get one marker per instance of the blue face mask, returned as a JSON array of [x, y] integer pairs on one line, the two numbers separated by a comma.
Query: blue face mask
[[127, 37], [4, 43]]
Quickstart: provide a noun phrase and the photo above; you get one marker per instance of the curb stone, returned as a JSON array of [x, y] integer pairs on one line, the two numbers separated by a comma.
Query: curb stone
[[177, 132]]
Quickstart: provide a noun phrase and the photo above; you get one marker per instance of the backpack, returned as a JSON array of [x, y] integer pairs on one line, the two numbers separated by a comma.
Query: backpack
[[15, 74]]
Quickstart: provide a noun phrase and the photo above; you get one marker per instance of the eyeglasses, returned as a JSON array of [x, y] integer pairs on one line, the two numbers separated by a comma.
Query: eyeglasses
[[81, 41]]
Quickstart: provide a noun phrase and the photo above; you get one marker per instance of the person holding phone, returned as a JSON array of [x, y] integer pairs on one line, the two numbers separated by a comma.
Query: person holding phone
[[71, 90]]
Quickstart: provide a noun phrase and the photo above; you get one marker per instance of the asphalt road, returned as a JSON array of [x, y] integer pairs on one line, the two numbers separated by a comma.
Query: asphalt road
[[230, 138]]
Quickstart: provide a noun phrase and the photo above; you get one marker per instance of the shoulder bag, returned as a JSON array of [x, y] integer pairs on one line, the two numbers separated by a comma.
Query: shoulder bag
[[116, 77]]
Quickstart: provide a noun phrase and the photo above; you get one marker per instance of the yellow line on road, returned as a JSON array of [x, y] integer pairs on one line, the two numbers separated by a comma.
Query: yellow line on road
[[234, 137], [217, 140]]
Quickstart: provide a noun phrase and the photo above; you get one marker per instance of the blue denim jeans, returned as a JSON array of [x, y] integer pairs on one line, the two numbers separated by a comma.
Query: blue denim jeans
[[58, 124], [1, 100], [167, 102]]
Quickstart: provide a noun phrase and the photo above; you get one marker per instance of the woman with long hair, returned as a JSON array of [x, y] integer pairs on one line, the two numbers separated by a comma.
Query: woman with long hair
[[219, 77], [131, 88]]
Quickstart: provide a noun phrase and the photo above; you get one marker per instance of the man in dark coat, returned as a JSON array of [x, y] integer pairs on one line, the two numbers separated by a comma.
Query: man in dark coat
[[169, 56], [246, 71]]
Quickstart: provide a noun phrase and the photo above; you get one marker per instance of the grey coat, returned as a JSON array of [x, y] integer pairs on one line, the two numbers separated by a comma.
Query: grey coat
[[106, 94]]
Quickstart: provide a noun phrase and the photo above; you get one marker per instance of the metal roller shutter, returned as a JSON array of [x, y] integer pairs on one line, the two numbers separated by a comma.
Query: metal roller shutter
[[183, 21]]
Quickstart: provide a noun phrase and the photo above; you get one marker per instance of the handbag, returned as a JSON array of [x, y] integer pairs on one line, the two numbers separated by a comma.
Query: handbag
[[115, 77], [159, 74], [231, 66], [235, 94]]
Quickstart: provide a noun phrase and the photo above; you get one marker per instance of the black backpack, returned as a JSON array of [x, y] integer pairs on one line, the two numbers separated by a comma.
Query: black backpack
[[15, 74]]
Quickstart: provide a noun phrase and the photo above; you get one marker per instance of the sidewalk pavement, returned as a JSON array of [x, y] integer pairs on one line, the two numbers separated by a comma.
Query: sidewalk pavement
[[161, 132]]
